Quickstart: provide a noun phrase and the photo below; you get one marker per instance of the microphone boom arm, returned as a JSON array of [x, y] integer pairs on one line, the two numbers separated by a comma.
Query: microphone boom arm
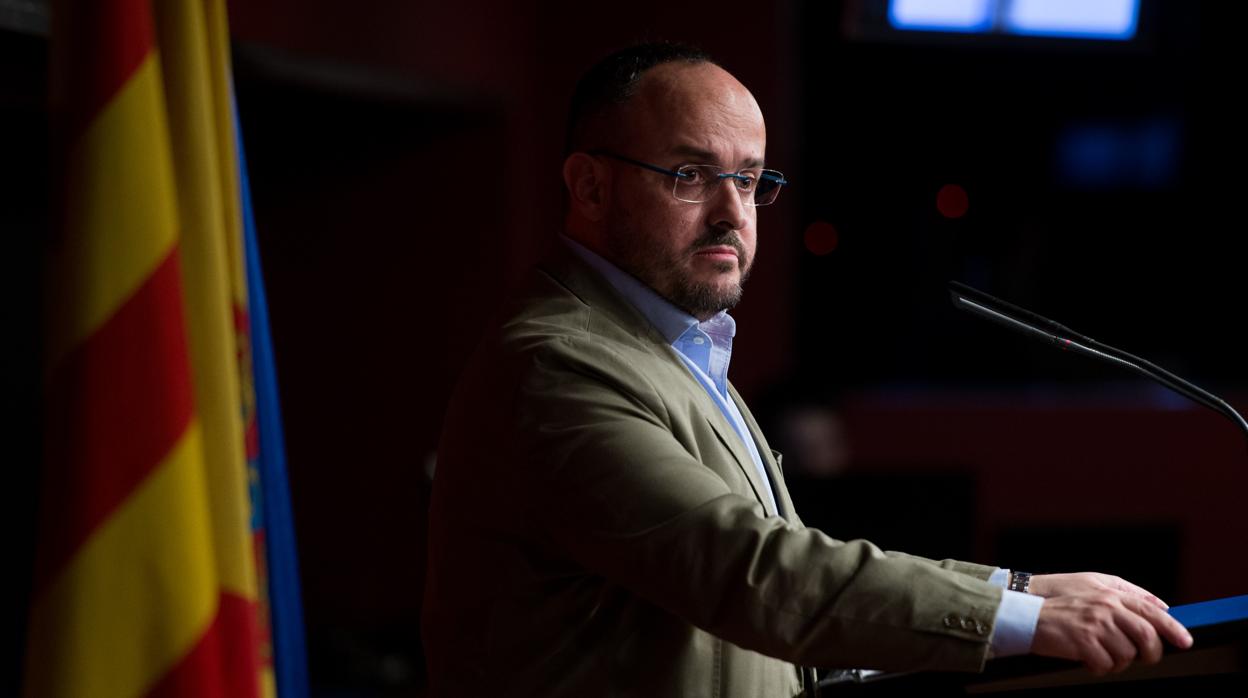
[[979, 303]]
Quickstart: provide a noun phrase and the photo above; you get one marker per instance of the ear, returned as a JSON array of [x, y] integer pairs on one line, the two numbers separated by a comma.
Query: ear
[[588, 181]]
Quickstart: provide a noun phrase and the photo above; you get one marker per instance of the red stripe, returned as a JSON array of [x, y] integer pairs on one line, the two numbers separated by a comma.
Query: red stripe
[[99, 45], [223, 662], [116, 406]]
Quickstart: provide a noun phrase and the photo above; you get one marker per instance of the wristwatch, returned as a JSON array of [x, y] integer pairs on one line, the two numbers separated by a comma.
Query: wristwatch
[[1020, 581]]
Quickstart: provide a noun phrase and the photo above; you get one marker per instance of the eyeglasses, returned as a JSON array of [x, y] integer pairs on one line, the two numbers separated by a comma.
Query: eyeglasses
[[696, 184]]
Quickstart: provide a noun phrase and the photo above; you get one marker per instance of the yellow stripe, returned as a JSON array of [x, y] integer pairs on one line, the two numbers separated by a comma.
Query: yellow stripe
[[222, 91], [121, 220], [206, 269], [138, 595], [244, 578]]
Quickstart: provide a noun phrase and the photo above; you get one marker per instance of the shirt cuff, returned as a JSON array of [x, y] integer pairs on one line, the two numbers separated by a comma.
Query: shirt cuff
[[1015, 625], [1000, 577]]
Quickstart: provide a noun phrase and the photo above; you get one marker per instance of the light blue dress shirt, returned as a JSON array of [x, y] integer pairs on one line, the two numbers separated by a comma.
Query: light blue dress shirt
[[706, 349]]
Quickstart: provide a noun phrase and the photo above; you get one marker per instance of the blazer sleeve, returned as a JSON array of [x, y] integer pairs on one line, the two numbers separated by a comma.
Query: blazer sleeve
[[610, 485]]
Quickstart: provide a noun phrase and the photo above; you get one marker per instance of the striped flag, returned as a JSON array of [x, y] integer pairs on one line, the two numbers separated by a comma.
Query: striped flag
[[149, 577]]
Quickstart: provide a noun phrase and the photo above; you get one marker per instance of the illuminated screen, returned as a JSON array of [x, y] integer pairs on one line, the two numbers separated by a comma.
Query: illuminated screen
[[1081, 19], [942, 15]]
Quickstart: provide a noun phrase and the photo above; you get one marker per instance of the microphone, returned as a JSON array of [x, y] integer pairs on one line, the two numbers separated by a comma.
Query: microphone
[[979, 303]]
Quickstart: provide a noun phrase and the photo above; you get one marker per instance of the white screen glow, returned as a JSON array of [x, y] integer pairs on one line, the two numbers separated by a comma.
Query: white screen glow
[[1081, 19], [946, 15]]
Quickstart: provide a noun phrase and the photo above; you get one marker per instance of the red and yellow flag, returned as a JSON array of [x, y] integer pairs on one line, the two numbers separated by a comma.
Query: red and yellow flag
[[146, 580]]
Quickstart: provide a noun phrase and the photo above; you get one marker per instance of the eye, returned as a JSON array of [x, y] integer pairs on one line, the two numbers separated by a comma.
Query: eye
[[746, 181], [692, 175]]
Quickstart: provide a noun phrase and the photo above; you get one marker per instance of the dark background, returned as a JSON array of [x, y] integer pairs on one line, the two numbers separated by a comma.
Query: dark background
[[404, 159]]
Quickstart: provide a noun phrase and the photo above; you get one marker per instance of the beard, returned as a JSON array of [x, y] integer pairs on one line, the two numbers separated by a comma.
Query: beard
[[670, 275]]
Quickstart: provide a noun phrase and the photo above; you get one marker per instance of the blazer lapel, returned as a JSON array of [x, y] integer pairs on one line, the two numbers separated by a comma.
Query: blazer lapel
[[728, 437], [771, 459], [612, 311], [715, 418], [783, 500]]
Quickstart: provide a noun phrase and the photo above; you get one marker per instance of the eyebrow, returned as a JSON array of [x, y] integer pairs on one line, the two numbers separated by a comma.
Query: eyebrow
[[709, 157]]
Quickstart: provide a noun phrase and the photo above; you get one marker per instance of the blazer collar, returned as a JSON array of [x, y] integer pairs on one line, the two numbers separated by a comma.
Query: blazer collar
[[610, 312]]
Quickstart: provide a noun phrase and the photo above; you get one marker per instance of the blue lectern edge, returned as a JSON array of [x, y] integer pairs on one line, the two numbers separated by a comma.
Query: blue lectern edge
[[1195, 615]]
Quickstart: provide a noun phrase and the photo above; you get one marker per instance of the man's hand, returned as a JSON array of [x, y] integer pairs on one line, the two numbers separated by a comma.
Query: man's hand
[[1103, 621], [1049, 585]]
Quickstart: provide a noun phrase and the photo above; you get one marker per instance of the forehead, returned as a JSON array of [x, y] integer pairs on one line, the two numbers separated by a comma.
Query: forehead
[[682, 107]]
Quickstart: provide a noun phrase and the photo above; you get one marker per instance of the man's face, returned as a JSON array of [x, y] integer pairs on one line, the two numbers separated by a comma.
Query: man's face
[[695, 255]]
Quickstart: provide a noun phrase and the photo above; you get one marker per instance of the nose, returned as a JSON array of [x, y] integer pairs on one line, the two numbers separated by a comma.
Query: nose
[[728, 210]]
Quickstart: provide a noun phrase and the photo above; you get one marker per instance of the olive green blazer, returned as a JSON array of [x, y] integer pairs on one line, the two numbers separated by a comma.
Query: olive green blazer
[[596, 529]]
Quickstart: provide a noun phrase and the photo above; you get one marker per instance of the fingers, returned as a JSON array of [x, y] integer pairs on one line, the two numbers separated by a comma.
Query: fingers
[[1139, 628], [1143, 636], [1106, 630], [1126, 635], [1097, 659], [1120, 648], [1165, 624], [1143, 624]]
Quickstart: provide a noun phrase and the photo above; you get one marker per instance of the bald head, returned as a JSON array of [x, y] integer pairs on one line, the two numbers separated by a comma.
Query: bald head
[[689, 106], [611, 83]]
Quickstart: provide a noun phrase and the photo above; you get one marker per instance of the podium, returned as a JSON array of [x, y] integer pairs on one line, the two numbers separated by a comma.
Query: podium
[[1216, 664]]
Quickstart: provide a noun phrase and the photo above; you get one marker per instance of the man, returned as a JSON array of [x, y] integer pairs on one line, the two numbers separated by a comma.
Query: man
[[607, 518]]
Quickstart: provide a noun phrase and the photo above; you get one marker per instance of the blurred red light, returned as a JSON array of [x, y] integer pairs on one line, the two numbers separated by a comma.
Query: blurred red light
[[952, 201], [821, 238]]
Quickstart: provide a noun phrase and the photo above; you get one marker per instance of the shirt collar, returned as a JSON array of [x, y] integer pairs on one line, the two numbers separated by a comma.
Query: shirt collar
[[671, 322]]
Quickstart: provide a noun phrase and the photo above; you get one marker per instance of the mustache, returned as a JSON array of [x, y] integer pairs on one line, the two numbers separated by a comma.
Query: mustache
[[716, 237]]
